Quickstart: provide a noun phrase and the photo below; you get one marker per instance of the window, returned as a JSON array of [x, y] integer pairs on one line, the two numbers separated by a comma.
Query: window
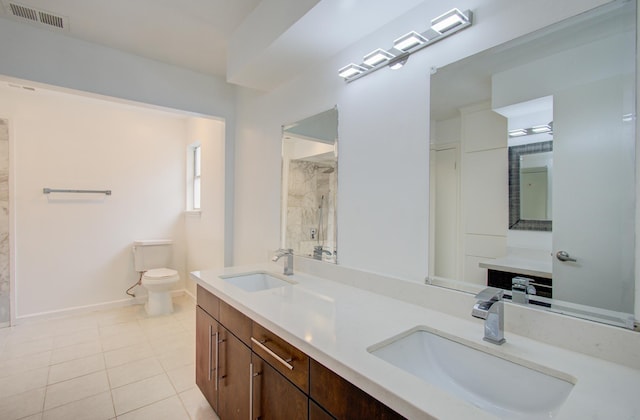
[[196, 177], [194, 165]]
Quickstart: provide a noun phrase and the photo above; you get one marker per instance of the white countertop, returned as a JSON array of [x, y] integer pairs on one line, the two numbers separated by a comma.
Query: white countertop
[[520, 265], [335, 324]]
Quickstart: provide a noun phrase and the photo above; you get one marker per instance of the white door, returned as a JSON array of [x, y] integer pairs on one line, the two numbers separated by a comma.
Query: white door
[[594, 196]]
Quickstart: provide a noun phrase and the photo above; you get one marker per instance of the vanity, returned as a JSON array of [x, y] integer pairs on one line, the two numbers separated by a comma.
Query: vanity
[[336, 328], [245, 370]]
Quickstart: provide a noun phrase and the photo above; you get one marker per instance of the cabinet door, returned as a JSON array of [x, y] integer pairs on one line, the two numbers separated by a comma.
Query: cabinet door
[[274, 397], [317, 413], [207, 330], [234, 363], [343, 400]]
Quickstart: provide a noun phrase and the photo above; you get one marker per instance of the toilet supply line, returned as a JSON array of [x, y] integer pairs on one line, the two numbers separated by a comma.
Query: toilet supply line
[[137, 284]]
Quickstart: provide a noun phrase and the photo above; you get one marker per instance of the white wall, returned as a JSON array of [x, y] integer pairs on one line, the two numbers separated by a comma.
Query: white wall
[[383, 138], [75, 250], [53, 58], [205, 228]]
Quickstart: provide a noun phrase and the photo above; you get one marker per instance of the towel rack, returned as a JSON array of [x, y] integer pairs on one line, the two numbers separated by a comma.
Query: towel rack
[[53, 190]]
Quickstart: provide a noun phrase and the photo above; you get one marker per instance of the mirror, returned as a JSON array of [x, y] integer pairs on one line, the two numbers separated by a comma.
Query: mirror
[[531, 186], [532, 168], [310, 186]]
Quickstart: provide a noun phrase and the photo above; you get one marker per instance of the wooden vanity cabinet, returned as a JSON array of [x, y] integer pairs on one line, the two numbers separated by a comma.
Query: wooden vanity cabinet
[[274, 397], [343, 400], [222, 359], [246, 371], [207, 329]]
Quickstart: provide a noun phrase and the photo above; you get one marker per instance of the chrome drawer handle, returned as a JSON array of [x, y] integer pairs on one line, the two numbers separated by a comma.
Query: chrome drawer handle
[[285, 363]]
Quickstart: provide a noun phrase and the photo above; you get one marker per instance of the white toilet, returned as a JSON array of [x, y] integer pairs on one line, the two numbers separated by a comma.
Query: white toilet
[[151, 257]]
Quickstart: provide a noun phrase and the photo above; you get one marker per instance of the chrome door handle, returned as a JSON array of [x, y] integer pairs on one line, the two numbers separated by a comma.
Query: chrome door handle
[[564, 256]]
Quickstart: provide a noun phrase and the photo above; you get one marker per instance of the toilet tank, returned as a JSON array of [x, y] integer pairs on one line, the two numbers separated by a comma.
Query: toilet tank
[[152, 253]]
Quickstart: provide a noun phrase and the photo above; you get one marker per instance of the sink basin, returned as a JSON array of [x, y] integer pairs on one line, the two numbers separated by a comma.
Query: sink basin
[[499, 386], [255, 282]]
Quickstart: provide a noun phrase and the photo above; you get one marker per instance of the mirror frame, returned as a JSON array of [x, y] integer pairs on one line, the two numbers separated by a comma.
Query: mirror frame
[[515, 152]]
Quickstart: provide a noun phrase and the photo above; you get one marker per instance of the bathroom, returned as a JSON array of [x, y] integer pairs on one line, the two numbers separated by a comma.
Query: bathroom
[[383, 202]]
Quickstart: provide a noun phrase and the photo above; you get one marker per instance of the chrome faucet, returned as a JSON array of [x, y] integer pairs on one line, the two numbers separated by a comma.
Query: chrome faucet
[[489, 306], [288, 265], [521, 288], [318, 251]]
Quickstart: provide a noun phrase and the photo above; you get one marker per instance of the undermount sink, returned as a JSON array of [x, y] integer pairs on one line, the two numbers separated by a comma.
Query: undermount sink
[[499, 386], [255, 282]]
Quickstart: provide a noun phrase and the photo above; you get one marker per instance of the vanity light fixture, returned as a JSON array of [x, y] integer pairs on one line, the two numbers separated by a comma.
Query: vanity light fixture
[[376, 57], [351, 70], [536, 129], [448, 21], [539, 129], [518, 132], [409, 43]]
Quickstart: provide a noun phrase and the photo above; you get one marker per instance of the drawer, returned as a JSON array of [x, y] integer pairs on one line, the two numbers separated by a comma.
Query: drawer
[[236, 322], [285, 358], [209, 302]]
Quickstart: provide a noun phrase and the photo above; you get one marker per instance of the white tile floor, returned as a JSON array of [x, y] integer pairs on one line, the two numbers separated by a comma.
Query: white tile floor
[[116, 364]]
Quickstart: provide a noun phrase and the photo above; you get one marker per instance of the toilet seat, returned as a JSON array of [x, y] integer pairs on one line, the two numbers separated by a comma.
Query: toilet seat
[[160, 276]]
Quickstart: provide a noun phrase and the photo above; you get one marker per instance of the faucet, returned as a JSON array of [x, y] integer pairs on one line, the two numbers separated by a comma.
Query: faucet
[[489, 306], [318, 251], [288, 266], [521, 289]]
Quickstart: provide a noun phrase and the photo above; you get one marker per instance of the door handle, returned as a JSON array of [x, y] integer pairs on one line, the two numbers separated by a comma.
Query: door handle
[[564, 256]]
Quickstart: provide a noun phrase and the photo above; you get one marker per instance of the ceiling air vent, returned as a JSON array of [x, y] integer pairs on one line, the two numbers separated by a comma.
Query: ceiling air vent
[[36, 16]]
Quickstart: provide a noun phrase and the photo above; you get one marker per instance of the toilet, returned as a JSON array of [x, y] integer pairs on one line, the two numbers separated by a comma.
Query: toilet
[[151, 258]]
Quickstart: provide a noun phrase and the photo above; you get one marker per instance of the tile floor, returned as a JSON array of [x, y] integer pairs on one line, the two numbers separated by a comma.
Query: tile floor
[[115, 364]]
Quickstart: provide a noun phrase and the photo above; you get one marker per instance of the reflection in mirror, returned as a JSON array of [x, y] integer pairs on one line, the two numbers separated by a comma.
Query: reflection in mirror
[[309, 186], [537, 131], [530, 186]]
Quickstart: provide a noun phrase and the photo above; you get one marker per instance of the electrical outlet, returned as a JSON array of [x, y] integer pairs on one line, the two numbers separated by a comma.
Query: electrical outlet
[[313, 233]]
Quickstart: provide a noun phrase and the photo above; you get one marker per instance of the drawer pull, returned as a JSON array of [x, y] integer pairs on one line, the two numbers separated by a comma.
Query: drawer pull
[[284, 362], [217, 358], [210, 339], [252, 375]]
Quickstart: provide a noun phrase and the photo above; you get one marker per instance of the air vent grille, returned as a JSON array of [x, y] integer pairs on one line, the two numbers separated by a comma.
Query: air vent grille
[[37, 16]]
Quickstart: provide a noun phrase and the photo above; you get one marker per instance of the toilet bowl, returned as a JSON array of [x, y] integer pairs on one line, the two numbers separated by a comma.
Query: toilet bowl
[[159, 282]]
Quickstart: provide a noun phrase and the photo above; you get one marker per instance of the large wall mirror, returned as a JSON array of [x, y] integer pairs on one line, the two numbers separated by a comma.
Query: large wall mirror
[[533, 166], [310, 185]]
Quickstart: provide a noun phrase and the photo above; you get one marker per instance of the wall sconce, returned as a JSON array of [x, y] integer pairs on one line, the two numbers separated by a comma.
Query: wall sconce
[[395, 57]]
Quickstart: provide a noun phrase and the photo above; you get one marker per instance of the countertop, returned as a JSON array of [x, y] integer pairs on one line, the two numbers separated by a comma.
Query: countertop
[[520, 265], [335, 324]]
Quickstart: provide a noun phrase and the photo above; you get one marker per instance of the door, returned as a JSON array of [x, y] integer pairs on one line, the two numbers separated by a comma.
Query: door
[[235, 358], [274, 397], [594, 196], [207, 330]]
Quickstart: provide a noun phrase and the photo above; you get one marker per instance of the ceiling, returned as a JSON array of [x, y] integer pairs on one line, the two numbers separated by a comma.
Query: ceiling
[[187, 33], [253, 43]]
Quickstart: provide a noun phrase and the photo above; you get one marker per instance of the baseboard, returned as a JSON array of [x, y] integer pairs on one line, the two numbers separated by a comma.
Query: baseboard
[[77, 310]]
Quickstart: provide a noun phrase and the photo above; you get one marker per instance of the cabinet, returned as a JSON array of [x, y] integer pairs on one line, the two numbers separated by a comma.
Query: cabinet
[[222, 359], [206, 332], [273, 396], [343, 400], [246, 371]]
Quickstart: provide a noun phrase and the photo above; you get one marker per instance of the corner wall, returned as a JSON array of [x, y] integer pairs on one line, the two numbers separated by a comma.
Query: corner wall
[[72, 250]]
